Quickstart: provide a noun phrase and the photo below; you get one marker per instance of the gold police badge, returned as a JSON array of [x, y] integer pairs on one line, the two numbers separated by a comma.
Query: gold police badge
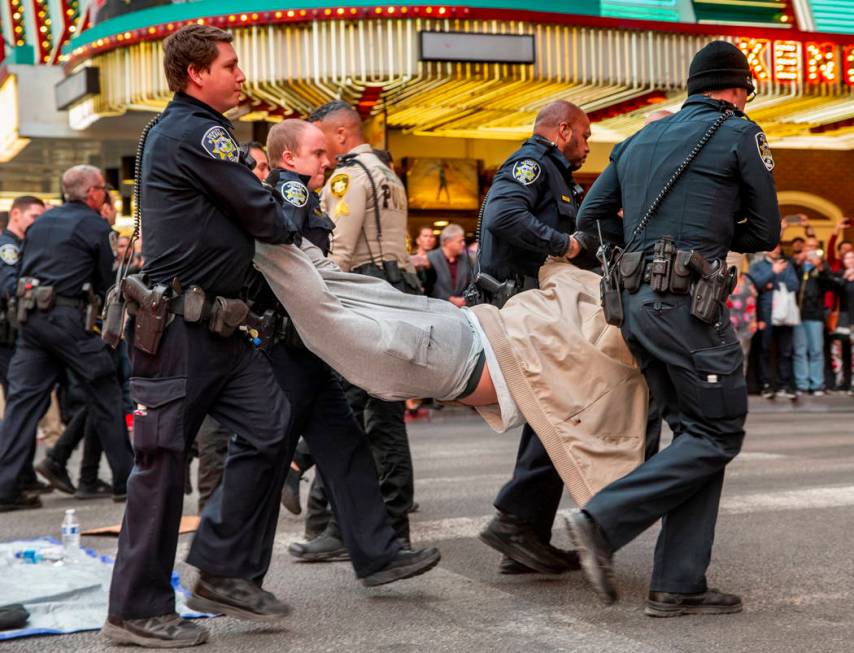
[[295, 193], [526, 171], [339, 185], [764, 151], [220, 145]]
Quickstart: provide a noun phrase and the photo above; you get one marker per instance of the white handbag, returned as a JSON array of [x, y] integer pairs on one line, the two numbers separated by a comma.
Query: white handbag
[[784, 307]]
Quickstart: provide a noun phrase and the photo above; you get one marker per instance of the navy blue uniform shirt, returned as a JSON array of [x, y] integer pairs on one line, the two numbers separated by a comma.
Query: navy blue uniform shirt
[[10, 253], [302, 208], [201, 206], [529, 212], [68, 246], [725, 199]]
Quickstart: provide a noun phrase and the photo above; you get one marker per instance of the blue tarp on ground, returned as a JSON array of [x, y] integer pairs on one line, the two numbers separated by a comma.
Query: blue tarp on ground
[[62, 598]]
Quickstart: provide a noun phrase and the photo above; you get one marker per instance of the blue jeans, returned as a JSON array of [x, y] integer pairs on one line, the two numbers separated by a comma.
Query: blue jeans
[[809, 355]]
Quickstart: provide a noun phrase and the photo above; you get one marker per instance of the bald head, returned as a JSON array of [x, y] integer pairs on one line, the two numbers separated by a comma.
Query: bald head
[[300, 147], [340, 124], [568, 127]]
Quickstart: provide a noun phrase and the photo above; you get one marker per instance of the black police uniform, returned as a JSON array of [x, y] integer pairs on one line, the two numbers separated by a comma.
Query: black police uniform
[[530, 212], [320, 410], [10, 251], [65, 248], [693, 369], [201, 209]]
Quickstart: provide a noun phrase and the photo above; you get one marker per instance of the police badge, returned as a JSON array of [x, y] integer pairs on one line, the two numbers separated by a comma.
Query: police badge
[[293, 192], [339, 184], [526, 172], [220, 145], [764, 151], [9, 254]]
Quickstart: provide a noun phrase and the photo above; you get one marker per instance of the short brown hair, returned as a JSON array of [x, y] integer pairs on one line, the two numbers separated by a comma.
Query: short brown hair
[[24, 202], [193, 45], [284, 137]]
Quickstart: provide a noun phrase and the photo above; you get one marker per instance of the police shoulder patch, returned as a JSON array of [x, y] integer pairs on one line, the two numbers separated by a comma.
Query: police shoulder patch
[[526, 171], [220, 145], [293, 192], [764, 151], [9, 254], [339, 184]]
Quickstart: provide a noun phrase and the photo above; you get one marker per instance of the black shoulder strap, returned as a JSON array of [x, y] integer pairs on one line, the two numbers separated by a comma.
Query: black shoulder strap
[[352, 159], [641, 226]]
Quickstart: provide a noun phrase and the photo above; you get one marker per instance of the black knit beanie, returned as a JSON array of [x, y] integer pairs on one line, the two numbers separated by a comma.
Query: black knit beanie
[[719, 65]]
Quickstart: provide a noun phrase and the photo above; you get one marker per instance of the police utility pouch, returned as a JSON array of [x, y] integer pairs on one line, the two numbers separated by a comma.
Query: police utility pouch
[[227, 315], [680, 276], [194, 304], [659, 269], [113, 317], [631, 271], [45, 297], [26, 297]]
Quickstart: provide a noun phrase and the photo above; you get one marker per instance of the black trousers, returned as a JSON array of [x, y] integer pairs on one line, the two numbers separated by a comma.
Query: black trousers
[[196, 373], [212, 443], [533, 493], [385, 429], [79, 429], [341, 452], [47, 343], [6, 352], [784, 337], [694, 371]]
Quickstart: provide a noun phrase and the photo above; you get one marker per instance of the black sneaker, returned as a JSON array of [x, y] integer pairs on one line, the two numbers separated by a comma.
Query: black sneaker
[[20, 501], [594, 555], [406, 564], [290, 493], [767, 392], [165, 631], [100, 490], [509, 567], [236, 597], [517, 539], [35, 486], [56, 475], [323, 548], [669, 604]]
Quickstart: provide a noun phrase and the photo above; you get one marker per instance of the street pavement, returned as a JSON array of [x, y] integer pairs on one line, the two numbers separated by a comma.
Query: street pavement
[[784, 542]]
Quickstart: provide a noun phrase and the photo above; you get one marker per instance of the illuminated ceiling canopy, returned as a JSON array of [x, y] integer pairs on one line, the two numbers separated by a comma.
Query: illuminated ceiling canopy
[[606, 56]]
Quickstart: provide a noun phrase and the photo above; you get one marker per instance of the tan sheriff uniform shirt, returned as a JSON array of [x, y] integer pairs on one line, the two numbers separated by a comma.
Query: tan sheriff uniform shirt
[[348, 199]]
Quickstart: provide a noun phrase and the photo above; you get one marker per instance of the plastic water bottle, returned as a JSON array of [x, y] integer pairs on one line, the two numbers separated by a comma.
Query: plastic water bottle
[[71, 534]]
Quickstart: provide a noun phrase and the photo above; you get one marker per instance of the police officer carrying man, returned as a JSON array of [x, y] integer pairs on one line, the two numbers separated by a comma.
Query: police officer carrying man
[[24, 211], [320, 410], [66, 259], [674, 285], [201, 209], [528, 215], [367, 202]]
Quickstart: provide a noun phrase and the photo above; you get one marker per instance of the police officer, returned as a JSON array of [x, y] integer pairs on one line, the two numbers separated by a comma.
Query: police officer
[[725, 199], [528, 215], [320, 410], [65, 249], [24, 211], [367, 202], [201, 209]]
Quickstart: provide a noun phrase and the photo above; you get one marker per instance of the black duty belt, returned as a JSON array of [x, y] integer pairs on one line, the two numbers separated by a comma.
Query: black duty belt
[[177, 306], [70, 302]]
